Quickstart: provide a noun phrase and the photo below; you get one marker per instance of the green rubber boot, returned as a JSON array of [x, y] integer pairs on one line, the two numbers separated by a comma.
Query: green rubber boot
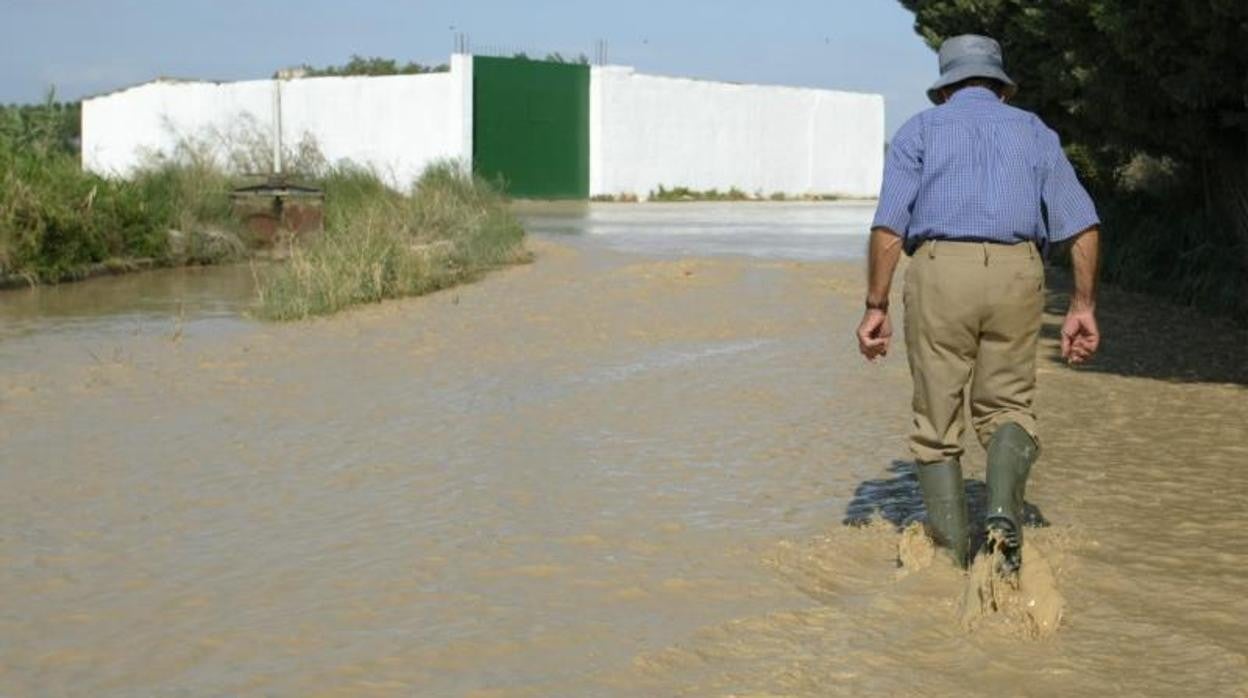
[[1010, 455], [945, 499]]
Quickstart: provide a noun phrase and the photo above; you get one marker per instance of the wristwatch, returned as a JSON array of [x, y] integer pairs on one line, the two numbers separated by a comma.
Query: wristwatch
[[881, 306]]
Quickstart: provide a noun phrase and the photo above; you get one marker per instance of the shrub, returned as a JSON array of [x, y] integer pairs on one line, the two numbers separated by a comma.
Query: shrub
[[57, 221], [451, 227]]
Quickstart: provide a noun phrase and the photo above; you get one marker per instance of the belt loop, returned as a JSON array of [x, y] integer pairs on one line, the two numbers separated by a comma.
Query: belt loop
[[985, 246], [931, 249], [1031, 250]]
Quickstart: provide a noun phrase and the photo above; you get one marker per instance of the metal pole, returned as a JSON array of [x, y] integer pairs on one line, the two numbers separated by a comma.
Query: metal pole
[[277, 127]]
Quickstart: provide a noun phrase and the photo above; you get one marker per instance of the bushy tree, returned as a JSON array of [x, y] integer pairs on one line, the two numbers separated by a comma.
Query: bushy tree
[[46, 127], [1124, 78], [374, 65]]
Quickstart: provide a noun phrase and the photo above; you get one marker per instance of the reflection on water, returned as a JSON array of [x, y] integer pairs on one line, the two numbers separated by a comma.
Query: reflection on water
[[127, 302], [776, 230]]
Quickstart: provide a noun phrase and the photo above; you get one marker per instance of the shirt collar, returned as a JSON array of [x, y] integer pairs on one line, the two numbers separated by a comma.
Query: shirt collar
[[976, 93]]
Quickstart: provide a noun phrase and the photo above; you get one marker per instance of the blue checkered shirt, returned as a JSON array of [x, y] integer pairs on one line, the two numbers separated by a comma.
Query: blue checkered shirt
[[977, 169]]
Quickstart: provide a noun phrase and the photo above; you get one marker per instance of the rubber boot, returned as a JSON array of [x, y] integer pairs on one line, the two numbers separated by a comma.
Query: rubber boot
[[1010, 455], [945, 499]]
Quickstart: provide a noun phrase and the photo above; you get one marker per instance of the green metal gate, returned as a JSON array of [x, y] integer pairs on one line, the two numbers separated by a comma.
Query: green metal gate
[[531, 126]]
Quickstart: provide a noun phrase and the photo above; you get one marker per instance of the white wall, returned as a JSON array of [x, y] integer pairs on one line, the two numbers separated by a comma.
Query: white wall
[[395, 124], [648, 130], [122, 128], [645, 130]]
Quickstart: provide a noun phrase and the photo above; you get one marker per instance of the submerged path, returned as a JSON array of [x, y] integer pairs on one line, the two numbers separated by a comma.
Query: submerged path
[[605, 473]]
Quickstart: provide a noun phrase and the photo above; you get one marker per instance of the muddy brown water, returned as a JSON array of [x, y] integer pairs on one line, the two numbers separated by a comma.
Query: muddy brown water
[[621, 470]]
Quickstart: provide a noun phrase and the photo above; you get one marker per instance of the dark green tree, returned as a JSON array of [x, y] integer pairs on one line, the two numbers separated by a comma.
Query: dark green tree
[[555, 57], [1124, 78], [364, 65]]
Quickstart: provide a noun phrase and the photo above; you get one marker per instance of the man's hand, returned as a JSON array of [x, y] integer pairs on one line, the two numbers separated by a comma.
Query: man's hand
[[1080, 336], [874, 333]]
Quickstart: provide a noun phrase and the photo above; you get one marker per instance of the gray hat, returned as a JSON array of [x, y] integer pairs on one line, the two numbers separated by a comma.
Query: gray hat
[[970, 56]]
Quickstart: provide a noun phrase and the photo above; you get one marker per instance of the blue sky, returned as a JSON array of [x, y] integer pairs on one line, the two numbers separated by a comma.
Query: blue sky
[[84, 47]]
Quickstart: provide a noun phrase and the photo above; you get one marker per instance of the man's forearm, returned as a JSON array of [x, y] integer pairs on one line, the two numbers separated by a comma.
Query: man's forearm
[[1085, 256], [883, 252]]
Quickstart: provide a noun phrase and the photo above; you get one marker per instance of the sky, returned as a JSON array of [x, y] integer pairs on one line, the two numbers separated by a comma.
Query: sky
[[84, 47]]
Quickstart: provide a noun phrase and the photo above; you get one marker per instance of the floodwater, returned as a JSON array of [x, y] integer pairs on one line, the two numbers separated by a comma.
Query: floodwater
[[623, 470], [769, 230]]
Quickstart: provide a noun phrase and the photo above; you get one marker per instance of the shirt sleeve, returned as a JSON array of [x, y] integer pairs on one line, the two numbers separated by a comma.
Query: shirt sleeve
[[903, 170], [1070, 210]]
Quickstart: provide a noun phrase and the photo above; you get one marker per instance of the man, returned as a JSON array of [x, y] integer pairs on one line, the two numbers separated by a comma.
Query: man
[[976, 192]]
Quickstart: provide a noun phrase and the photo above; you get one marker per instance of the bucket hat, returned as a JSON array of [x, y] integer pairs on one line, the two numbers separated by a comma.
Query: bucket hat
[[970, 56]]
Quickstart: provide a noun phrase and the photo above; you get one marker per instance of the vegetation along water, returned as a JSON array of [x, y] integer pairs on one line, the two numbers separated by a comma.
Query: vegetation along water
[[58, 222]]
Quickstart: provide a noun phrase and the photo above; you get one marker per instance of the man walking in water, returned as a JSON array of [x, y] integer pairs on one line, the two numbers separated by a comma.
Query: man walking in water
[[976, 191]]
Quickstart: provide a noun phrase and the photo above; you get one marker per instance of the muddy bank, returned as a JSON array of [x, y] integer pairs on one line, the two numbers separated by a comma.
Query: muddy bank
[[600, 474]]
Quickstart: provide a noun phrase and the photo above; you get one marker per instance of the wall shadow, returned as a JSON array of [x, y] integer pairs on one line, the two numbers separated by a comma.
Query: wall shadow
[[1149, 337], [899, 501]]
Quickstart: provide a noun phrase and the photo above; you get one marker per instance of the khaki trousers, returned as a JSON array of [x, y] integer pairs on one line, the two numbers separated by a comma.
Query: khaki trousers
[[972, 322]]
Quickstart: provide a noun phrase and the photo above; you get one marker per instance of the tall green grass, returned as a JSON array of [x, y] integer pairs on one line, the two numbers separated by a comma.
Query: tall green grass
[[1172, 246], [451, 227], [58, 222]]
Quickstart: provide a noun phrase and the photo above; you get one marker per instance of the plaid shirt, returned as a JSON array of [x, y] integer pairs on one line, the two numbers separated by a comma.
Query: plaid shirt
[[977, 169]]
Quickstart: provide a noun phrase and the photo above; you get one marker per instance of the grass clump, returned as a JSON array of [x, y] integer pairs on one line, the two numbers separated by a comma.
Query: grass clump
[[735, 194], [451, 227], [687, 194], [622, 198]]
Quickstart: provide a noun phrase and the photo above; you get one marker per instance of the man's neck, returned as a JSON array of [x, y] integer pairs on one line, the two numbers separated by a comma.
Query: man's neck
[[973, 92]]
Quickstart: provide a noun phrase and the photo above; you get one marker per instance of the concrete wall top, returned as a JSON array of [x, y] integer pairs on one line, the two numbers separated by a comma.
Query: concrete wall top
[[623, 70]]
